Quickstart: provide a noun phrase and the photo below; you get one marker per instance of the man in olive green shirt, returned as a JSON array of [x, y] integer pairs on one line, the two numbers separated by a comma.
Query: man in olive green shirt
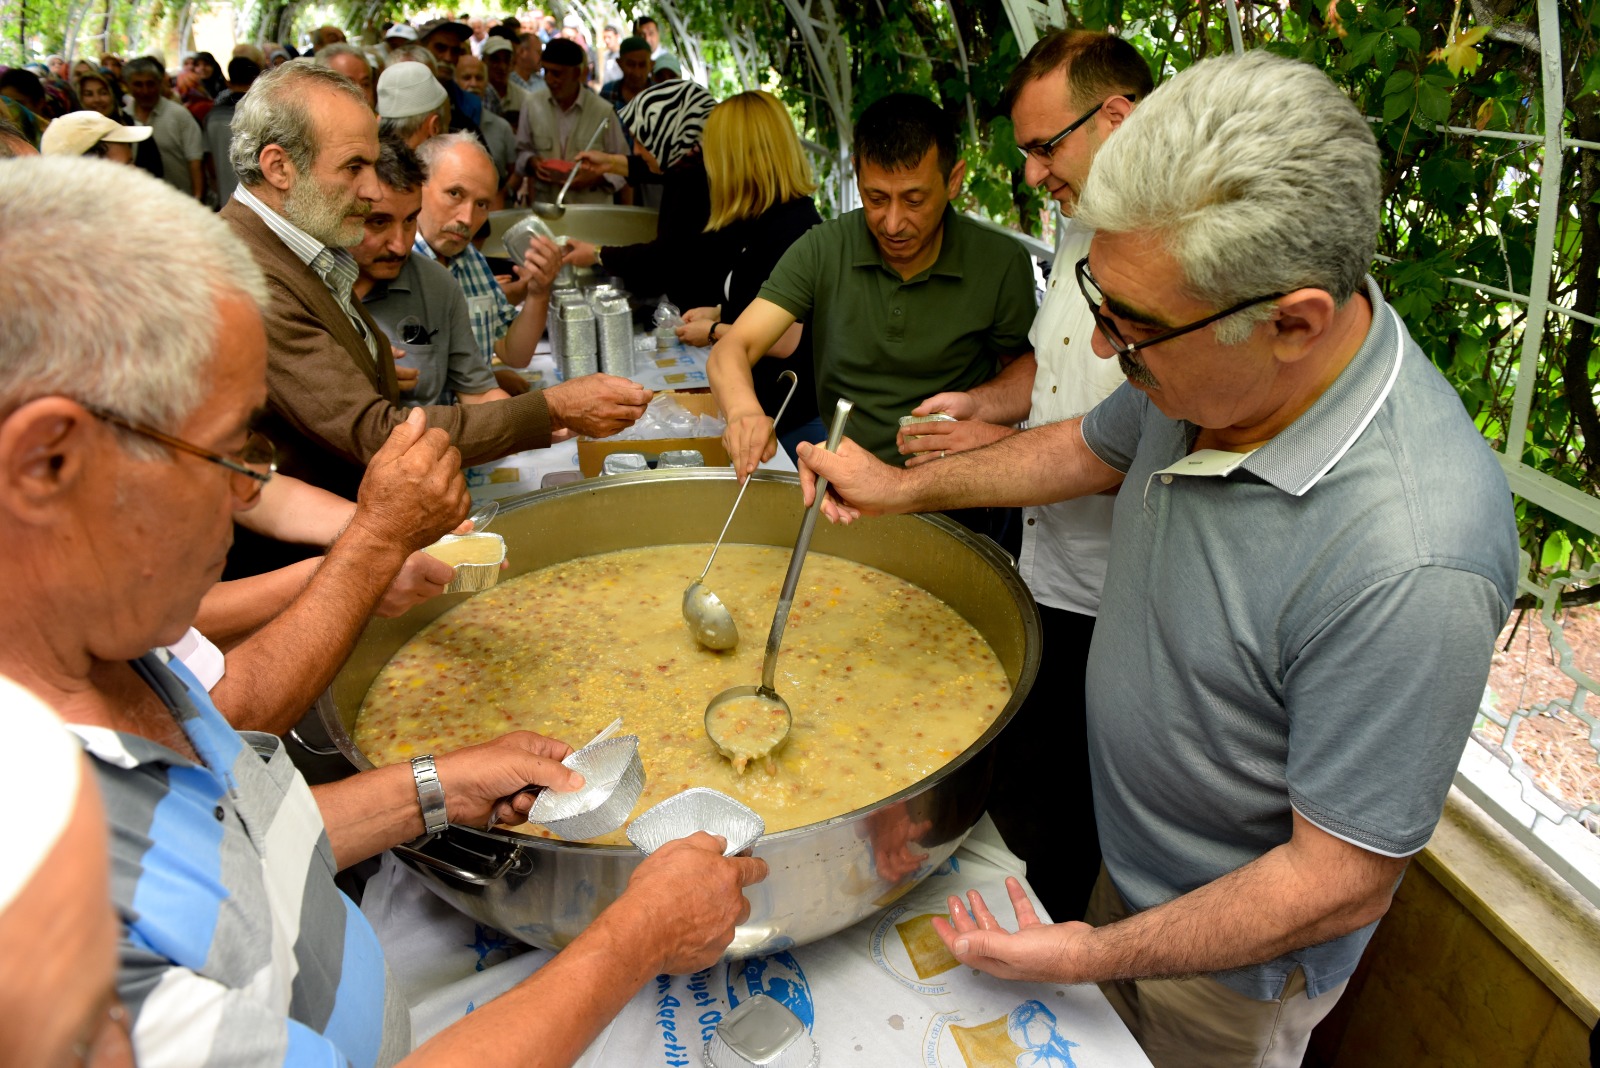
[[905, 298]]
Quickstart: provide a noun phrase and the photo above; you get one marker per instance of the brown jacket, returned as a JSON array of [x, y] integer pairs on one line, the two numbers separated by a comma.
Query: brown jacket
[[329, 408]]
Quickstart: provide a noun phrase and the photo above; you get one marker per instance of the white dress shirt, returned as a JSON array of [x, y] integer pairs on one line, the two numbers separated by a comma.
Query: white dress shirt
[[1064, 546]]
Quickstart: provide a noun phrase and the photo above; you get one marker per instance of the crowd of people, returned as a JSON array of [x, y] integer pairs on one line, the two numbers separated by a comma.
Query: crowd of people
[[177, 123], [1269, 549]]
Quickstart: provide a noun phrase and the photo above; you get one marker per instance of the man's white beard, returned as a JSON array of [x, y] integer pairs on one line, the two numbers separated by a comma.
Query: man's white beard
[[323, 215]]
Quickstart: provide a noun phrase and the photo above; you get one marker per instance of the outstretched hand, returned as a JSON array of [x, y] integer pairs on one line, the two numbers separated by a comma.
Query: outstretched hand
[[1035, 951]]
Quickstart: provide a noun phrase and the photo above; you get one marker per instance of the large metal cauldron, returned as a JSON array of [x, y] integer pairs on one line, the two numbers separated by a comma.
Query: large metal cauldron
[[824, 876]]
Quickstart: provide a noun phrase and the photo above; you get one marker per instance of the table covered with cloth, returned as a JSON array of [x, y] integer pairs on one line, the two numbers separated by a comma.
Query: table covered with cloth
[[884, 992]]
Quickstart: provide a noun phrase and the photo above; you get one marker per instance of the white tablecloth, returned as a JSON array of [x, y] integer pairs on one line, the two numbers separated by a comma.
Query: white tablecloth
[[881, 993]]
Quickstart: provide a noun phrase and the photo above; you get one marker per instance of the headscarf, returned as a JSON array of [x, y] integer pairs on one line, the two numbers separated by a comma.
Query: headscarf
[[668, 119]]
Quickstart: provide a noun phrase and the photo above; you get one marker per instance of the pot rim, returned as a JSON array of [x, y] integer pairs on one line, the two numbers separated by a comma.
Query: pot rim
[[998, 560]]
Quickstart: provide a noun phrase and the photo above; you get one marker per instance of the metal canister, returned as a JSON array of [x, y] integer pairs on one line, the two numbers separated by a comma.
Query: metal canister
[[561, 298], [615, 330], [580, 350]]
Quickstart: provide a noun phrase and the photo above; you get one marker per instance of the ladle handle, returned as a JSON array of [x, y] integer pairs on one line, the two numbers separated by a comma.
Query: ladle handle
[[561, 197], [793, 381], [791, 580]]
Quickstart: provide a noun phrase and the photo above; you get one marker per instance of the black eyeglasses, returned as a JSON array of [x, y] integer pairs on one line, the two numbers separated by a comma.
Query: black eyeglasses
[[1097, 299], [256, 462], [1043, 151]]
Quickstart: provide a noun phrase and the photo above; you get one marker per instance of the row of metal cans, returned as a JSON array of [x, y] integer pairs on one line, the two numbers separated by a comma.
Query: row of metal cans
[[591, 331]]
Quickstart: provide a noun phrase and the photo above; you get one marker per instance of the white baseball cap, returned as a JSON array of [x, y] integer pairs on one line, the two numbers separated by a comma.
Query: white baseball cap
[[495, 44], [78, 132], [407, 89], [403, 30]]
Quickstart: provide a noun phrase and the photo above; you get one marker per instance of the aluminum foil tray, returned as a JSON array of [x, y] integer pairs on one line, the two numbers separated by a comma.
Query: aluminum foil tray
[[471, 578], [761, 1032], [613, 780], [698, 809]]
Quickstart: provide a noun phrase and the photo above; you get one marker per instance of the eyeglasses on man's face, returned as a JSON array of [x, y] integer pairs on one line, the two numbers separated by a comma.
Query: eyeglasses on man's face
[[1044, 151], [1108, 328], [251, 468]]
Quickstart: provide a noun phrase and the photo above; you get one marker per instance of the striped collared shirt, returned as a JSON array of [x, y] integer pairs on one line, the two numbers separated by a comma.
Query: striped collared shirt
[[335, 266], [236, 947], [492, 313]]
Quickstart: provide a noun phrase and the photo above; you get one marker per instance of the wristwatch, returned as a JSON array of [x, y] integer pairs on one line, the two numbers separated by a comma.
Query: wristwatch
[[430, 794], [598, 262]]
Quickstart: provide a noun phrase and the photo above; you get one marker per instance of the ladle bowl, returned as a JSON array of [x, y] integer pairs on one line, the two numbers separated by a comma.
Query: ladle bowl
[[709, 620], [727, 729]]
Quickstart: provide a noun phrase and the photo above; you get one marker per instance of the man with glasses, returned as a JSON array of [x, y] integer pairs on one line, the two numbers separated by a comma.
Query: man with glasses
[[125, 433], [1313, 549], [1071, 92]]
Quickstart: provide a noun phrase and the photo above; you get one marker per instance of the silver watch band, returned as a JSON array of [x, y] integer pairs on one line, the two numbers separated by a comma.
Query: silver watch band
[[430, 794]]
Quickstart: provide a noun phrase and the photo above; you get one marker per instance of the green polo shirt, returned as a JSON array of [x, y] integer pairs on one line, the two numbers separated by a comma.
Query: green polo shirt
[[887, 343]]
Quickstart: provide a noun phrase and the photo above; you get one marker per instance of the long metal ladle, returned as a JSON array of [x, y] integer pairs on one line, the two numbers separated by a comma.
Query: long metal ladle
[[709, 619], [558, 209], [748, 723]]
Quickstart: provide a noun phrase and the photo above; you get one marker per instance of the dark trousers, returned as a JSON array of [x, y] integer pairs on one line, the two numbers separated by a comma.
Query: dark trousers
[[1041, 800]]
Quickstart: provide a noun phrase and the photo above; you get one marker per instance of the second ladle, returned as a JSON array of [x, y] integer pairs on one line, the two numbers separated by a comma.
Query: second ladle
[[748, 723], [709, 619]]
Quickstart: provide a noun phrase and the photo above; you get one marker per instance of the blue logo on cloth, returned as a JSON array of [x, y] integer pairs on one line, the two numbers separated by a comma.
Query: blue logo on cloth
[[1032, 1027], [488, 941], [778, 976]]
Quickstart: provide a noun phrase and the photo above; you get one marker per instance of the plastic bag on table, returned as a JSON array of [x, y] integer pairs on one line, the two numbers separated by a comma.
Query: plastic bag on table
[[667, 315]]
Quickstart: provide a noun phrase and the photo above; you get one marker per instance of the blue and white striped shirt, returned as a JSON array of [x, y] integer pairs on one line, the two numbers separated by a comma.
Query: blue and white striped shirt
[[492, 314], [237, 948]]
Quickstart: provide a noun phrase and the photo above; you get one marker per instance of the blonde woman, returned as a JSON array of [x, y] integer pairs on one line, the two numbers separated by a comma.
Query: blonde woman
[[760, 205]]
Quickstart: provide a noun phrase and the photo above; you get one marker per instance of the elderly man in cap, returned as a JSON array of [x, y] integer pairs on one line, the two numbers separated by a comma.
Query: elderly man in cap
[[89, 133], [557, 123], [126, 449], [446, 41], [304, 148], [353, 64], [1312, 551], [399, 35], [412, 104], [498, 55]]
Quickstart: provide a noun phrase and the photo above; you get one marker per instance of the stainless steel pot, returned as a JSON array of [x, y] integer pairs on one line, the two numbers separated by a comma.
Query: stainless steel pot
[[824, 876]]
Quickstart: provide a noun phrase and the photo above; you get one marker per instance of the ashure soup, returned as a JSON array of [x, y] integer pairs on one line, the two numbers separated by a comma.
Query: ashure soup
[[887, 684]]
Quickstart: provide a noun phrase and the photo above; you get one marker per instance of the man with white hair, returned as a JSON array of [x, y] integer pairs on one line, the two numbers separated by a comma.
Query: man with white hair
[[125, 452], [1312, 551], [304, 148], [412, 105]]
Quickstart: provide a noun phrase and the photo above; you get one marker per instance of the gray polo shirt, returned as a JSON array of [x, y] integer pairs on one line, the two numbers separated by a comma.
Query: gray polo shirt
[[1311, 629], [448, 360]]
